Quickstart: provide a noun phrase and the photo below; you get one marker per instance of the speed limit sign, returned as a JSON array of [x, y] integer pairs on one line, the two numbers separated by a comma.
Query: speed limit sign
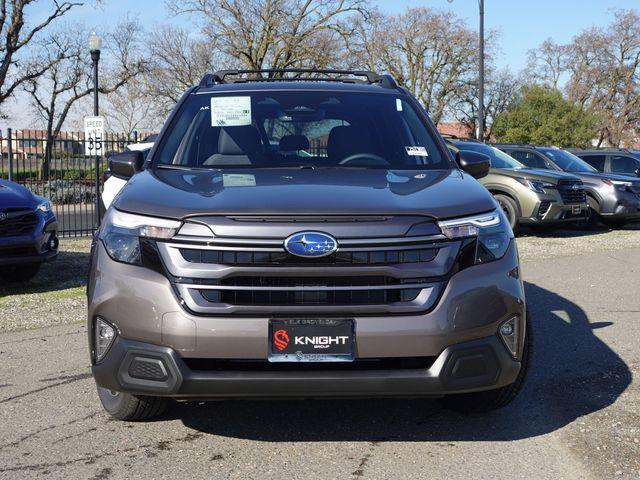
[[93, 135]]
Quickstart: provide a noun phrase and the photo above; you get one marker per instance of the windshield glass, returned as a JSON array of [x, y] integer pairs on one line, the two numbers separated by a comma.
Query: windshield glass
[[498, 158], [567, 161], [302, 128]]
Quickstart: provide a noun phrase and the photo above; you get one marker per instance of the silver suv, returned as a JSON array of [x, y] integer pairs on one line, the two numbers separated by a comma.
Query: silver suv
[[306, 236]]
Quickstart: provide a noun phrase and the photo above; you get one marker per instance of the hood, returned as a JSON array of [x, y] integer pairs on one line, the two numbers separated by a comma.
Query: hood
[[14, 196], [550, 176], [181, 193], [595, 176]]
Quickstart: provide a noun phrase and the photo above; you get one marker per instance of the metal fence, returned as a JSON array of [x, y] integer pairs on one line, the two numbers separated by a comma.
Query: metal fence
[[60, 171]]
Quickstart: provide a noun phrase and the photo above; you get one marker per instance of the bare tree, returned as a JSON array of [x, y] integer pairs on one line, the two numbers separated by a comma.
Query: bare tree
[[131, 109], [547, 63], [68, 79], [17, 33], [501, 89], [178, 61], [431, 53], [275, 34], [603, 69]]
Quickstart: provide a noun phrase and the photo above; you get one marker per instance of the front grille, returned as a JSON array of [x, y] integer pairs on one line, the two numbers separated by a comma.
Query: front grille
[[221, 365], [383, 257], [247, 271], [572, 191], [18, 223], [274, 291]]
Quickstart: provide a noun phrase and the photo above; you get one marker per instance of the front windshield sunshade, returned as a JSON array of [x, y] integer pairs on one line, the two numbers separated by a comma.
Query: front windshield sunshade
[[298, 129]]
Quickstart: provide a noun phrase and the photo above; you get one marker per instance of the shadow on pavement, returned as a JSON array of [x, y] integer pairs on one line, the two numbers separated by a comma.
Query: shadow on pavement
[[68, 270], [573, 374]]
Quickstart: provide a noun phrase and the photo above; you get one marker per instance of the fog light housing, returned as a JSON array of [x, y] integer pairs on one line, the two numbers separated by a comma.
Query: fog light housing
[[53, 243], [104, 335], [509, 332]]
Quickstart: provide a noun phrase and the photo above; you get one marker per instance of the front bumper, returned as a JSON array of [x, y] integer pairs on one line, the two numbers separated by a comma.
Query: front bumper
[[621, 206], [551, 211], [146, 369], [151, 322], [33, 248]]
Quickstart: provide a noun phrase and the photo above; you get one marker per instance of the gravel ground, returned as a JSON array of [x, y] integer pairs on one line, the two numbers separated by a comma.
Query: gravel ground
[[56, 296]]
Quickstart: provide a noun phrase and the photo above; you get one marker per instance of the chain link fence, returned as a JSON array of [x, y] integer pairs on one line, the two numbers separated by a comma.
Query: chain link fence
[[60, 170]]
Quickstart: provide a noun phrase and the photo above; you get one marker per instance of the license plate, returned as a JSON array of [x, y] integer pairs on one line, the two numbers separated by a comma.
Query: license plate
[[311, 340], [576, 210]]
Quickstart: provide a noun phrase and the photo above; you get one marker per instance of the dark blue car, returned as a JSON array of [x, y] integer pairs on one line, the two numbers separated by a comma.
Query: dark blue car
[[28, 232]]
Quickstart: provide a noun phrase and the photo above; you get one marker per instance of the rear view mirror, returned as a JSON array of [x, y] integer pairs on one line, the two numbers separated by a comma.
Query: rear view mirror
[[126, 164], [474, 163]]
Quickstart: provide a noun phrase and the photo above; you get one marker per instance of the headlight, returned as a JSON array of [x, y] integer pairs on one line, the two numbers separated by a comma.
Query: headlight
[[491, 232], [535, 185], [44, 206], [120, 232], [619, 184]]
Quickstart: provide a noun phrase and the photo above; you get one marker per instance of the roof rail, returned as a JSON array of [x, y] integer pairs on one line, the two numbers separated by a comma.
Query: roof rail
[[278, 75]]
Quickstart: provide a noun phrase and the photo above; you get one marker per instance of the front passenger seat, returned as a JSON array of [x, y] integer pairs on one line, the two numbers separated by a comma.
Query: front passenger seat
[[238, 146]]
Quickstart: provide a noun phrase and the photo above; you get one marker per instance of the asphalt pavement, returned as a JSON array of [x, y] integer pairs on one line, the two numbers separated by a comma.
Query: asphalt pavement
[[578, 416]]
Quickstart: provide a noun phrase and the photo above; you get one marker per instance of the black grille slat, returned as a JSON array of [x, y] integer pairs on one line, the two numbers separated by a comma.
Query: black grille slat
[[21, 224], [382, 257], [262, 291], [570, 194]]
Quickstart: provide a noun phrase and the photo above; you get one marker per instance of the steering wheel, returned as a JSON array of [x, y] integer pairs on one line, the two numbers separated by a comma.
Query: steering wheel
[[364, 160]]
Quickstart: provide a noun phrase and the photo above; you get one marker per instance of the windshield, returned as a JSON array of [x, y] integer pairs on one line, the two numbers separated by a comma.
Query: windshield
[[567, 161], [498, 158], [301, 128]]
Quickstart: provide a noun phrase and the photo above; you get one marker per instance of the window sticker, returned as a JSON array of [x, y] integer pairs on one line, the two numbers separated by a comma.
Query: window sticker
[[417, 151], [398, 104], [238, 180], [230, 111]]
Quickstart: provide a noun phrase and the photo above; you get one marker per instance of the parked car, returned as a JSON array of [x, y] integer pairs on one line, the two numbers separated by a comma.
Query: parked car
[[618, 161], [613, 199], [112, 185], [307, 238], [528, 196], [28, 232]]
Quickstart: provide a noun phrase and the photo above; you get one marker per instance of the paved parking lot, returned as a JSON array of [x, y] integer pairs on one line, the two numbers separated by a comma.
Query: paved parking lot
[[578, 417]]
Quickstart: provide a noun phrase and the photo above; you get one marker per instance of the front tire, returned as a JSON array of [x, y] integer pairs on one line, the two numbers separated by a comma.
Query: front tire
[[485, 401], [125, 406], [510, 209]]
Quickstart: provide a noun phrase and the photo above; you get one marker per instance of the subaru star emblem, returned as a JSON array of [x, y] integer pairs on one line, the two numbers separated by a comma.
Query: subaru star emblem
[[3, 216], [311, 244]]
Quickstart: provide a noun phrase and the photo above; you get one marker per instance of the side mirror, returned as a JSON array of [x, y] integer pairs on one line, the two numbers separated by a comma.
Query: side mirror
[[474, 163], [637, 172], [126, 164]]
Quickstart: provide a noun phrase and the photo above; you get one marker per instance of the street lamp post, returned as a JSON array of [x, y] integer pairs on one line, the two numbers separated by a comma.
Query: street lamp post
[[95, 42], [480, 72]]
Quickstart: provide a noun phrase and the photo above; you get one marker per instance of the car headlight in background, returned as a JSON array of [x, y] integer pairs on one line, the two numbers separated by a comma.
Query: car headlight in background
[[492, 232], [620, 185], [121, 231], [44, 206], [535, 185]]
